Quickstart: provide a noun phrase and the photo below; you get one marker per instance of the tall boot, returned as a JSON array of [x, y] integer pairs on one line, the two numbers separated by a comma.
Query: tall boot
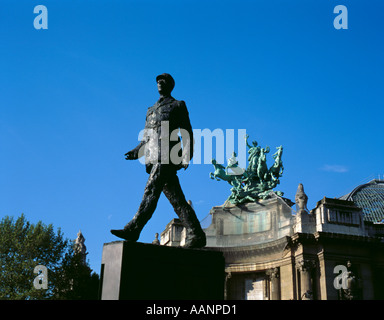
[[195, 236]]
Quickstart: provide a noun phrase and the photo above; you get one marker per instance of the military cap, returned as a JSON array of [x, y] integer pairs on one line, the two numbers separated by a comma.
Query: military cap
[[168, 78]]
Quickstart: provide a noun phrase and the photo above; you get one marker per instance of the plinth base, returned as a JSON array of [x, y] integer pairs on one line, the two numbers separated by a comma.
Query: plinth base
[[138, 271]]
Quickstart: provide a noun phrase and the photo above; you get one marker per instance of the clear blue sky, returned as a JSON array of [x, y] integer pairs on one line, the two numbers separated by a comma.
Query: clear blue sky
[[74, 98]]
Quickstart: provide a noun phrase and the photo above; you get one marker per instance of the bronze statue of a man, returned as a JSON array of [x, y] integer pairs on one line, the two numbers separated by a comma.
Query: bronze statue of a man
[[165, 118]]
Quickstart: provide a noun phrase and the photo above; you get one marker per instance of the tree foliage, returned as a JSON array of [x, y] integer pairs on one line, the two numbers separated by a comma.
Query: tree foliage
[[23, 246]]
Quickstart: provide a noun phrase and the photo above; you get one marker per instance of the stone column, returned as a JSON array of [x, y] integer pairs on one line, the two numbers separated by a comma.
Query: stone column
[[305, 268], [274, 275], [228, 275]]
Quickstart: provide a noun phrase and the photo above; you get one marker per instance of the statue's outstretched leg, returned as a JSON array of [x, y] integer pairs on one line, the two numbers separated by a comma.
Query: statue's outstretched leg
[[152, 191], [195, 237]]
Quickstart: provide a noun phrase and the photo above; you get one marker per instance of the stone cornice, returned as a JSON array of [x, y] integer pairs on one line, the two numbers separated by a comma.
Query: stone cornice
[[257, 250], [321, 236]]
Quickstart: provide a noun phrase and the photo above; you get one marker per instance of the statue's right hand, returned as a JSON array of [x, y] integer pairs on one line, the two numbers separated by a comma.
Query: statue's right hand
[[131, 155]]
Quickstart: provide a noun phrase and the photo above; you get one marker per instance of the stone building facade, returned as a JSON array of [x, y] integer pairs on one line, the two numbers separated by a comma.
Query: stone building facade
[[273, 252]]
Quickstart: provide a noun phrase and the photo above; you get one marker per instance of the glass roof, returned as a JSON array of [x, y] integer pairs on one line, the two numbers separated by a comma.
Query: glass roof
[[370, 198]]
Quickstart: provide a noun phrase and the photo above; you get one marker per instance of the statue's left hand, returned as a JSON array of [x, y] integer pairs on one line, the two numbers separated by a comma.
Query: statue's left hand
[[131, 155]]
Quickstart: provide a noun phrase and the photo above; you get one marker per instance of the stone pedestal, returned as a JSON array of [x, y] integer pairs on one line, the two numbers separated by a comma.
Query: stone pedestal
[[138, 271]]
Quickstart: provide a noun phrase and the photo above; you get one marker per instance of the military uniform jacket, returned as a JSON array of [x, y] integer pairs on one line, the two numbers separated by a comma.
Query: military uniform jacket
[[161, 142]]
